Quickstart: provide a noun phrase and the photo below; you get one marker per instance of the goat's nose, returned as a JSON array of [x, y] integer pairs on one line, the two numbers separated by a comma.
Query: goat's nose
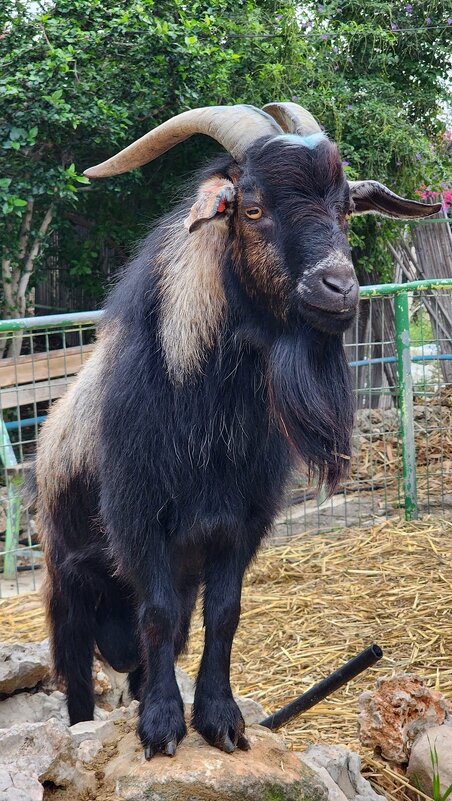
[[341, 284]]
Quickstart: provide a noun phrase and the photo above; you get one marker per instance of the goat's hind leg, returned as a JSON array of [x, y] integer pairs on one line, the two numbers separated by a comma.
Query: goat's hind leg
[[116, 626], [70, 614]]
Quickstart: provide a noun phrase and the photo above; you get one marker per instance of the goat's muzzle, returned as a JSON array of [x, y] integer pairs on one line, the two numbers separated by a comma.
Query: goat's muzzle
[[329, 293]]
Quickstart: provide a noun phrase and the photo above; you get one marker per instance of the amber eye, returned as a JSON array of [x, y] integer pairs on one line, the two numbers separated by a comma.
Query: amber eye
[[254, 213]]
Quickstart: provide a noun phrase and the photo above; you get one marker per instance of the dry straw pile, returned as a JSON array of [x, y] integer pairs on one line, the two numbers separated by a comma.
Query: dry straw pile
[[312, 604]]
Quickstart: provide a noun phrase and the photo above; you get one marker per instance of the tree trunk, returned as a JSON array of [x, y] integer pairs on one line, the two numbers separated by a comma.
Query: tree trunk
[[16, 281]]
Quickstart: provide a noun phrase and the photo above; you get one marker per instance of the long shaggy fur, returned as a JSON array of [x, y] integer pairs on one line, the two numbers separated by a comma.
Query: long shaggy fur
[[312, 398], [165, 464]]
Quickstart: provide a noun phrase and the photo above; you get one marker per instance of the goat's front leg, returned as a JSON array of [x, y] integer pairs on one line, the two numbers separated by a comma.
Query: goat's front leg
[[215, 713], [161, 725]]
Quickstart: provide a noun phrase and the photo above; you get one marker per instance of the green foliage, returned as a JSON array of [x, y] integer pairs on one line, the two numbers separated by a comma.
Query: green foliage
[[437, 793], [83, 78]]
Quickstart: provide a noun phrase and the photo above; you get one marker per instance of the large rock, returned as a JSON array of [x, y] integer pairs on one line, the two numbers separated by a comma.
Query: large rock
[[396, 712], [38, 708], [33, 708], [420, 768], [23, 666], [20, 787], [269, 772], [340, 769], [44, 750]]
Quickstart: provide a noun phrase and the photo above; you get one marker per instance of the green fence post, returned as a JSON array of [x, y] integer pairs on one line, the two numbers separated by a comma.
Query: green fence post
[[8, 458], [403, 342]]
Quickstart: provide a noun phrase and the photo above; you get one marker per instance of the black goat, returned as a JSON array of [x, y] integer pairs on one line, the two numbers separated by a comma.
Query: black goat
[[218, 364]]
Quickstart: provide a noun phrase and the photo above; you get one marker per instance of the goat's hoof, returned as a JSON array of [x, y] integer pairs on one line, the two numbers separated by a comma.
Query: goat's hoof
[[170, 748], [221, 724], [161, 727], [148, 752]]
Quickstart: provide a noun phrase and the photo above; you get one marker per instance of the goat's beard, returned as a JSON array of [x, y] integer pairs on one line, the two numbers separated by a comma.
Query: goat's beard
[[312, 399]]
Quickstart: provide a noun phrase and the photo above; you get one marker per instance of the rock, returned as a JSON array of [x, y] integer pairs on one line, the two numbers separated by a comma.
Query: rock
[[14, 794], [92, 730], [45, 750], [102, 683], [38, 708], [344, 769], [186, 686], [125, 713], [200, 773], [396, 712], [252, 711], [88, 750], [33, 708], [334, 792], [29, 785], [5, 780], [23, 666], [420, 767]]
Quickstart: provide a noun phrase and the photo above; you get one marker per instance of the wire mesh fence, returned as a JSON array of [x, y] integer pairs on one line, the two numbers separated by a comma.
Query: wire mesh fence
[[402, 443]]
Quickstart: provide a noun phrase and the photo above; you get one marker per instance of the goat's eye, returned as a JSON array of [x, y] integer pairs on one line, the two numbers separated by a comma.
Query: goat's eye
[[254, 213]]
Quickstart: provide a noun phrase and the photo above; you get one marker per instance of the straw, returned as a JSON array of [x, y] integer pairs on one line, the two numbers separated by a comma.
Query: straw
[[313, 603]]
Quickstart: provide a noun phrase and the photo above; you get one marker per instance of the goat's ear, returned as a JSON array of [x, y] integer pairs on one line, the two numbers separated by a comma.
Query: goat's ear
[[215, 198], [372, 197]]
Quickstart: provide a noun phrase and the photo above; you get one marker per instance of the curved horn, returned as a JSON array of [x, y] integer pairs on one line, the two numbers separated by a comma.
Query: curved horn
[[234, 127], [293, 118]]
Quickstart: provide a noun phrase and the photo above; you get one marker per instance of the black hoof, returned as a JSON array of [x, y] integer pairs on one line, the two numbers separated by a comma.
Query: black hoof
[[221, 723], [161, 727]]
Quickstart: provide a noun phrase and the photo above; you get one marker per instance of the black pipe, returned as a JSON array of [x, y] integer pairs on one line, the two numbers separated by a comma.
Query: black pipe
[[341, 676]]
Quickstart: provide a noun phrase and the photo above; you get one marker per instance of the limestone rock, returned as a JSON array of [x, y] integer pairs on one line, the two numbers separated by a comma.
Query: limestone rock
[[344, 770], [334, 791], [202, 773], [88, 750], [420, 764], [28, 785], [102, 684], [45, 750], [252, 711], [396, 712], [92, 730], [33, 708], [110, 687], [124, 713], [23, 666], [38, 708], [186, 686], [5, 780]]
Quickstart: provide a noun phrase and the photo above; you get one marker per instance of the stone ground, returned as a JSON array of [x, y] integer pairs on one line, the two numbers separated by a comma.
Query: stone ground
[[44, 759]]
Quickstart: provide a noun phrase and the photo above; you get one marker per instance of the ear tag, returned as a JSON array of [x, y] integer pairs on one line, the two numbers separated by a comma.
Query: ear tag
[[213, 198]]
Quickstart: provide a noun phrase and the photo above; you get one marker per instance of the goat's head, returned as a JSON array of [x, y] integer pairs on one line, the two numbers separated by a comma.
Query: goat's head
[[276, 213], [285, 199]]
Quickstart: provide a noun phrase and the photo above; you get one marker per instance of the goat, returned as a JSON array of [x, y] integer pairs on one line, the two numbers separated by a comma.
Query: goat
[[219, 364]]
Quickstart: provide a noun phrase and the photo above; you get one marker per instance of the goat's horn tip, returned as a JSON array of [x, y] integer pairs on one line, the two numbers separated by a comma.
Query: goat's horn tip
[[91, 172]]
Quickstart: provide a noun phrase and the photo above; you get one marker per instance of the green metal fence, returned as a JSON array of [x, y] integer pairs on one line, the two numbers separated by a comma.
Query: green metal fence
[[401, 355]]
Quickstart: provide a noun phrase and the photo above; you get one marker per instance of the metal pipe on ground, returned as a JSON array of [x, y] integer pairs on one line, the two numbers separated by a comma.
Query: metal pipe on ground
[[334, 682]]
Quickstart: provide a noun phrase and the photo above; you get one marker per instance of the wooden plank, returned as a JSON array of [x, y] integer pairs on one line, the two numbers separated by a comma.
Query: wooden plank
[[53, 364], [13, 397]]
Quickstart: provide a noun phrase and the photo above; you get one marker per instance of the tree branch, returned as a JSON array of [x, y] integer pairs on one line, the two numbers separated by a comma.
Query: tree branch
[[32, 256], [7, 285], [25, 229]]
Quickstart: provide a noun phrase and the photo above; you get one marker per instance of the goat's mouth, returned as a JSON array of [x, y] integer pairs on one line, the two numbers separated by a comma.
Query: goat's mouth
[[331, 321]]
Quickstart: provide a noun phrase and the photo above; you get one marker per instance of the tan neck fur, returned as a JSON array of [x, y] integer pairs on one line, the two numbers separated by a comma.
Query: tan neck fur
[[193, 301]]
